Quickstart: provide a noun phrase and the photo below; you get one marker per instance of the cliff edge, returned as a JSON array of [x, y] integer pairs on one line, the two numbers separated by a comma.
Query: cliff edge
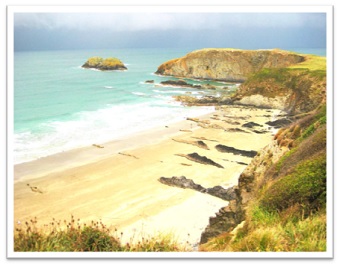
[[232, 65]]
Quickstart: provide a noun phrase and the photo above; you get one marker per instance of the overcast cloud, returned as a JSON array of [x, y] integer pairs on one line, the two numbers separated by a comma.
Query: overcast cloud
[[165, 21], [72, 30]]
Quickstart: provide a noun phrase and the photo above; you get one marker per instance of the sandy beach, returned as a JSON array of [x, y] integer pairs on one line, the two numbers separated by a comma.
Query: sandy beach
[[117, 182]]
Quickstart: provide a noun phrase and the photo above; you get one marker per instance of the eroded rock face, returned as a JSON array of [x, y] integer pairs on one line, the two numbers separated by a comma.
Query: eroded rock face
[[104, 64], [257, 100], [231, 65], [230, 216], [291, 90]]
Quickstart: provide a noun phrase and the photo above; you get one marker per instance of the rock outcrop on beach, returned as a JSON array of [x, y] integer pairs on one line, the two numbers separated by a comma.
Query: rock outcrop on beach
[[216, 191], [235, 151], [200, 159], [104, 64], [231, 65]]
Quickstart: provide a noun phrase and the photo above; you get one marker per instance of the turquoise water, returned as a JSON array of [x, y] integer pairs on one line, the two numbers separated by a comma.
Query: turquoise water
[[60, 106]]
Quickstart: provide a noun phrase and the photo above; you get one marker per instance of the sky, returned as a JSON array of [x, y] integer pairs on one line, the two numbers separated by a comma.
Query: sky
[[58, 31]]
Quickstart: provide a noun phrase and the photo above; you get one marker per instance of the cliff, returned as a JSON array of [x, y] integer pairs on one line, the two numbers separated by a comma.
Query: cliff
[[292, 90], [270, 78], [104, 64], [231, 65], [280, 202]]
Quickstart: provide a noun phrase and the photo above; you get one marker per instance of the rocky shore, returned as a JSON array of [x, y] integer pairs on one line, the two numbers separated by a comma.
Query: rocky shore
[[268, 82]]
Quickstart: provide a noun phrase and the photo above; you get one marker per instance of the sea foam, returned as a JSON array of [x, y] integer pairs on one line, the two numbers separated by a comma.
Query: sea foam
[[99, 126]]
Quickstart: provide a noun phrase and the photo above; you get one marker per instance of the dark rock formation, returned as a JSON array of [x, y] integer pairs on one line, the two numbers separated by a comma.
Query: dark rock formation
[[182, 182], [200, 159], [235, 151], [251, 124], [181, 83], [235, 130], [260, 131], [255, 127], [198, 143], [226, 219], [220, 192], [149, 81], [238, 162], [277, 124]]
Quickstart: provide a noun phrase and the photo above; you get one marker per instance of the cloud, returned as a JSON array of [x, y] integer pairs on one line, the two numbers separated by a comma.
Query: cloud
[[167, 21]]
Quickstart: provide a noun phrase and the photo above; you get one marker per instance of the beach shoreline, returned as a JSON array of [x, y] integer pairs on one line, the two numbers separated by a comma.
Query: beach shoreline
[[117, 182], [98, 151]]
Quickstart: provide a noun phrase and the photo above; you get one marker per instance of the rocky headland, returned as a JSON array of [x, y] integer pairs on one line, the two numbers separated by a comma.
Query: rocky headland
[[104, 64], [269, 78], [232, 65]]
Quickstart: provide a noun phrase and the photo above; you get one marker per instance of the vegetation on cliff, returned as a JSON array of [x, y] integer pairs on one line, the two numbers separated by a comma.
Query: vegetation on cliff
[[104, 64], [298, 90], [283, 191], [284, 198]]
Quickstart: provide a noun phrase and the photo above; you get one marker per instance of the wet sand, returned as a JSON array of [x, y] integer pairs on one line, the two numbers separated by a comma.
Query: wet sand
[[117, 182]]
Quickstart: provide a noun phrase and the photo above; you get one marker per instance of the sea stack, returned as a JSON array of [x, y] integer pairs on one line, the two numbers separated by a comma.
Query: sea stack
[[99, 63]]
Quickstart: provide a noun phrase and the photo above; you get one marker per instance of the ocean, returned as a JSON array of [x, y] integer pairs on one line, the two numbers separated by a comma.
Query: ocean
[[59, 106]]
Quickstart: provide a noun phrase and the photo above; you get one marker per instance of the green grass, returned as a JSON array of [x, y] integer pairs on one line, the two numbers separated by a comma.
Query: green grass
[[305, 186], [270, 231], [74, 236], [312, 62]]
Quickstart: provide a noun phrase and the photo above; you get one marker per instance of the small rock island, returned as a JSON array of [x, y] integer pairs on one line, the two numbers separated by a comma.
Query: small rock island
[[100, 63]]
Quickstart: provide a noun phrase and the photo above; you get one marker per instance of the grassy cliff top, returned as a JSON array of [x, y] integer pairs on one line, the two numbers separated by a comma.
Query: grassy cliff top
[[276, 50], [312, 62]]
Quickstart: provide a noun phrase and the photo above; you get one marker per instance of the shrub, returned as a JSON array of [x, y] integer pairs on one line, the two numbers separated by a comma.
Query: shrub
[[305, 186], [77, 237]]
